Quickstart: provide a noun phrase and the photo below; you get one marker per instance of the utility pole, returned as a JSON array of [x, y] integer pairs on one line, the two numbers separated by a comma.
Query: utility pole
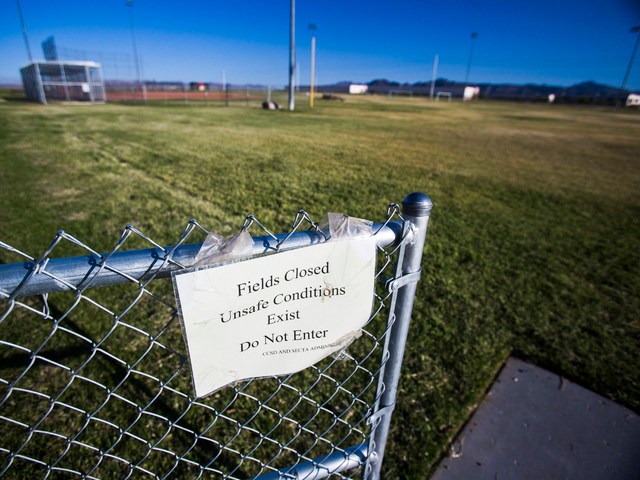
[[474, 35], [433, 76], [292, 56]]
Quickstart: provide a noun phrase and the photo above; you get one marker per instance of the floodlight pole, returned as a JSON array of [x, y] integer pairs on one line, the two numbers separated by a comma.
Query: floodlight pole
[[474, 35], [225, 88], [313, 65], [313, 69], [41, 94], [292, 55], [433, 76], [135, 52], [25, 35], [635, 29]]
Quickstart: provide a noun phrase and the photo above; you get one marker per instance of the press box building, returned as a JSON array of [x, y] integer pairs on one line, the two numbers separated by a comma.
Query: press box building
[[62, 80]]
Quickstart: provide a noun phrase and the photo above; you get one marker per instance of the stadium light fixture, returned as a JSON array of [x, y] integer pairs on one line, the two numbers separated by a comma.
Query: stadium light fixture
[[474, 35], [635, 29], [314, 29]]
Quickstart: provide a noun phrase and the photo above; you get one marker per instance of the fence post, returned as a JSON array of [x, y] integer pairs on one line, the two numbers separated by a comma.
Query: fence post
[[416, 208]]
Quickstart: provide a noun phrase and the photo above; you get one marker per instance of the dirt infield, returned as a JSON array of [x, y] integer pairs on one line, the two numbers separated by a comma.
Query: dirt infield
[[196, 96]]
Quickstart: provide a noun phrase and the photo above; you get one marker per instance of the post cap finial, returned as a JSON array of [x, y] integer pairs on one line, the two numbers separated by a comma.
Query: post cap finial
[[417, 204]]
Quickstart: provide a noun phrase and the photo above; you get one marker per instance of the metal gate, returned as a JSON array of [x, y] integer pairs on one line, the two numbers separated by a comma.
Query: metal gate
[[94, 382]]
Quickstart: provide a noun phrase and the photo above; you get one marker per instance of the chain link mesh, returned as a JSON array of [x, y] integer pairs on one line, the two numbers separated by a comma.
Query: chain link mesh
[[94, 382]]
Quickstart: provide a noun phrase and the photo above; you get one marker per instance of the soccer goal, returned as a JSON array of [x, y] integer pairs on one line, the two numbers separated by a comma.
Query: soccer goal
[[446, 95]]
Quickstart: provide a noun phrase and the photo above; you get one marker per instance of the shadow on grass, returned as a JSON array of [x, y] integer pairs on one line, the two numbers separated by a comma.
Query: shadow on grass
[[13, 95], [129, 386]]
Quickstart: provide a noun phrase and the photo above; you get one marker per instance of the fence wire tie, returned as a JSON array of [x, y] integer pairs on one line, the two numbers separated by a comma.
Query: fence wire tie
[[301, 217], [8, 247], [250, 219], [394, 284], [382, 412], [45, 305]]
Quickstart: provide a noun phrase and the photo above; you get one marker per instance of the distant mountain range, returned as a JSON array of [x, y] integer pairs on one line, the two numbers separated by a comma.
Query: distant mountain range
[[585, 92]]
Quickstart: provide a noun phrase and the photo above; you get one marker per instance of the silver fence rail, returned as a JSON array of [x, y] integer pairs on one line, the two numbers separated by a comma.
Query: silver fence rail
[[95, 382]]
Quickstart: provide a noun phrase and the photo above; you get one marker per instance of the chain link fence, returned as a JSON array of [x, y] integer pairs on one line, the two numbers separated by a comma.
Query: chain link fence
[[95, 380]]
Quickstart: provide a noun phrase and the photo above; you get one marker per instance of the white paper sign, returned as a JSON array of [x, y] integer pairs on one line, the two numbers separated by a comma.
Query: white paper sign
[[276, 314]]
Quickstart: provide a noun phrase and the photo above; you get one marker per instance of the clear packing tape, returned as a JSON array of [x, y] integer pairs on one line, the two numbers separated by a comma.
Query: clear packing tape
[[217, 249], [339, 226]]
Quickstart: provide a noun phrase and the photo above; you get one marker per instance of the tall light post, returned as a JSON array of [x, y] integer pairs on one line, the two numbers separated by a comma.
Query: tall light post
[[135, 52], [313, 28], [25, 35], [635, 29], [292, 55], [474, 35], [433, 76], [41, 95]]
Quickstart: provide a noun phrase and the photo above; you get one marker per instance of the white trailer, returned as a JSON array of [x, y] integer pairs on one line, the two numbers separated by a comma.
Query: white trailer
[[470, 93], [358, 89], [633, 100]]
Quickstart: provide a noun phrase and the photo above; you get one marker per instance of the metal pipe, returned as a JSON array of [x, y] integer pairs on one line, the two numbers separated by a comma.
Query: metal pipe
[[474, 35], [65, 274], [64, 81], [88, 78], [102, 85], [41, 93], [433, 76], [416, 210], [25, 35], [313, 70], [135, 52], [292, 55], [635, 29], [322, 467]]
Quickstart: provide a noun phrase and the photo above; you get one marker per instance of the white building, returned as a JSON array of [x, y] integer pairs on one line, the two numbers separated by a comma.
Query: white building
[[63, 80], [470, 93], [633, 100], [358, 89]]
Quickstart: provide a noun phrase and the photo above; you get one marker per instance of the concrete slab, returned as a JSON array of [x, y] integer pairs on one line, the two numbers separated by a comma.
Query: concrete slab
[[534, 424]]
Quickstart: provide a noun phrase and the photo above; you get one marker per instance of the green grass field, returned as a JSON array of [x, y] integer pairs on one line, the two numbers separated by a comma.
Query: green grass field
[[533, 245]]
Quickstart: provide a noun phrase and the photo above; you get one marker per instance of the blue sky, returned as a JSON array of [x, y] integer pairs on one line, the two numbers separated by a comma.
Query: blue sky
[[552, 42]]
